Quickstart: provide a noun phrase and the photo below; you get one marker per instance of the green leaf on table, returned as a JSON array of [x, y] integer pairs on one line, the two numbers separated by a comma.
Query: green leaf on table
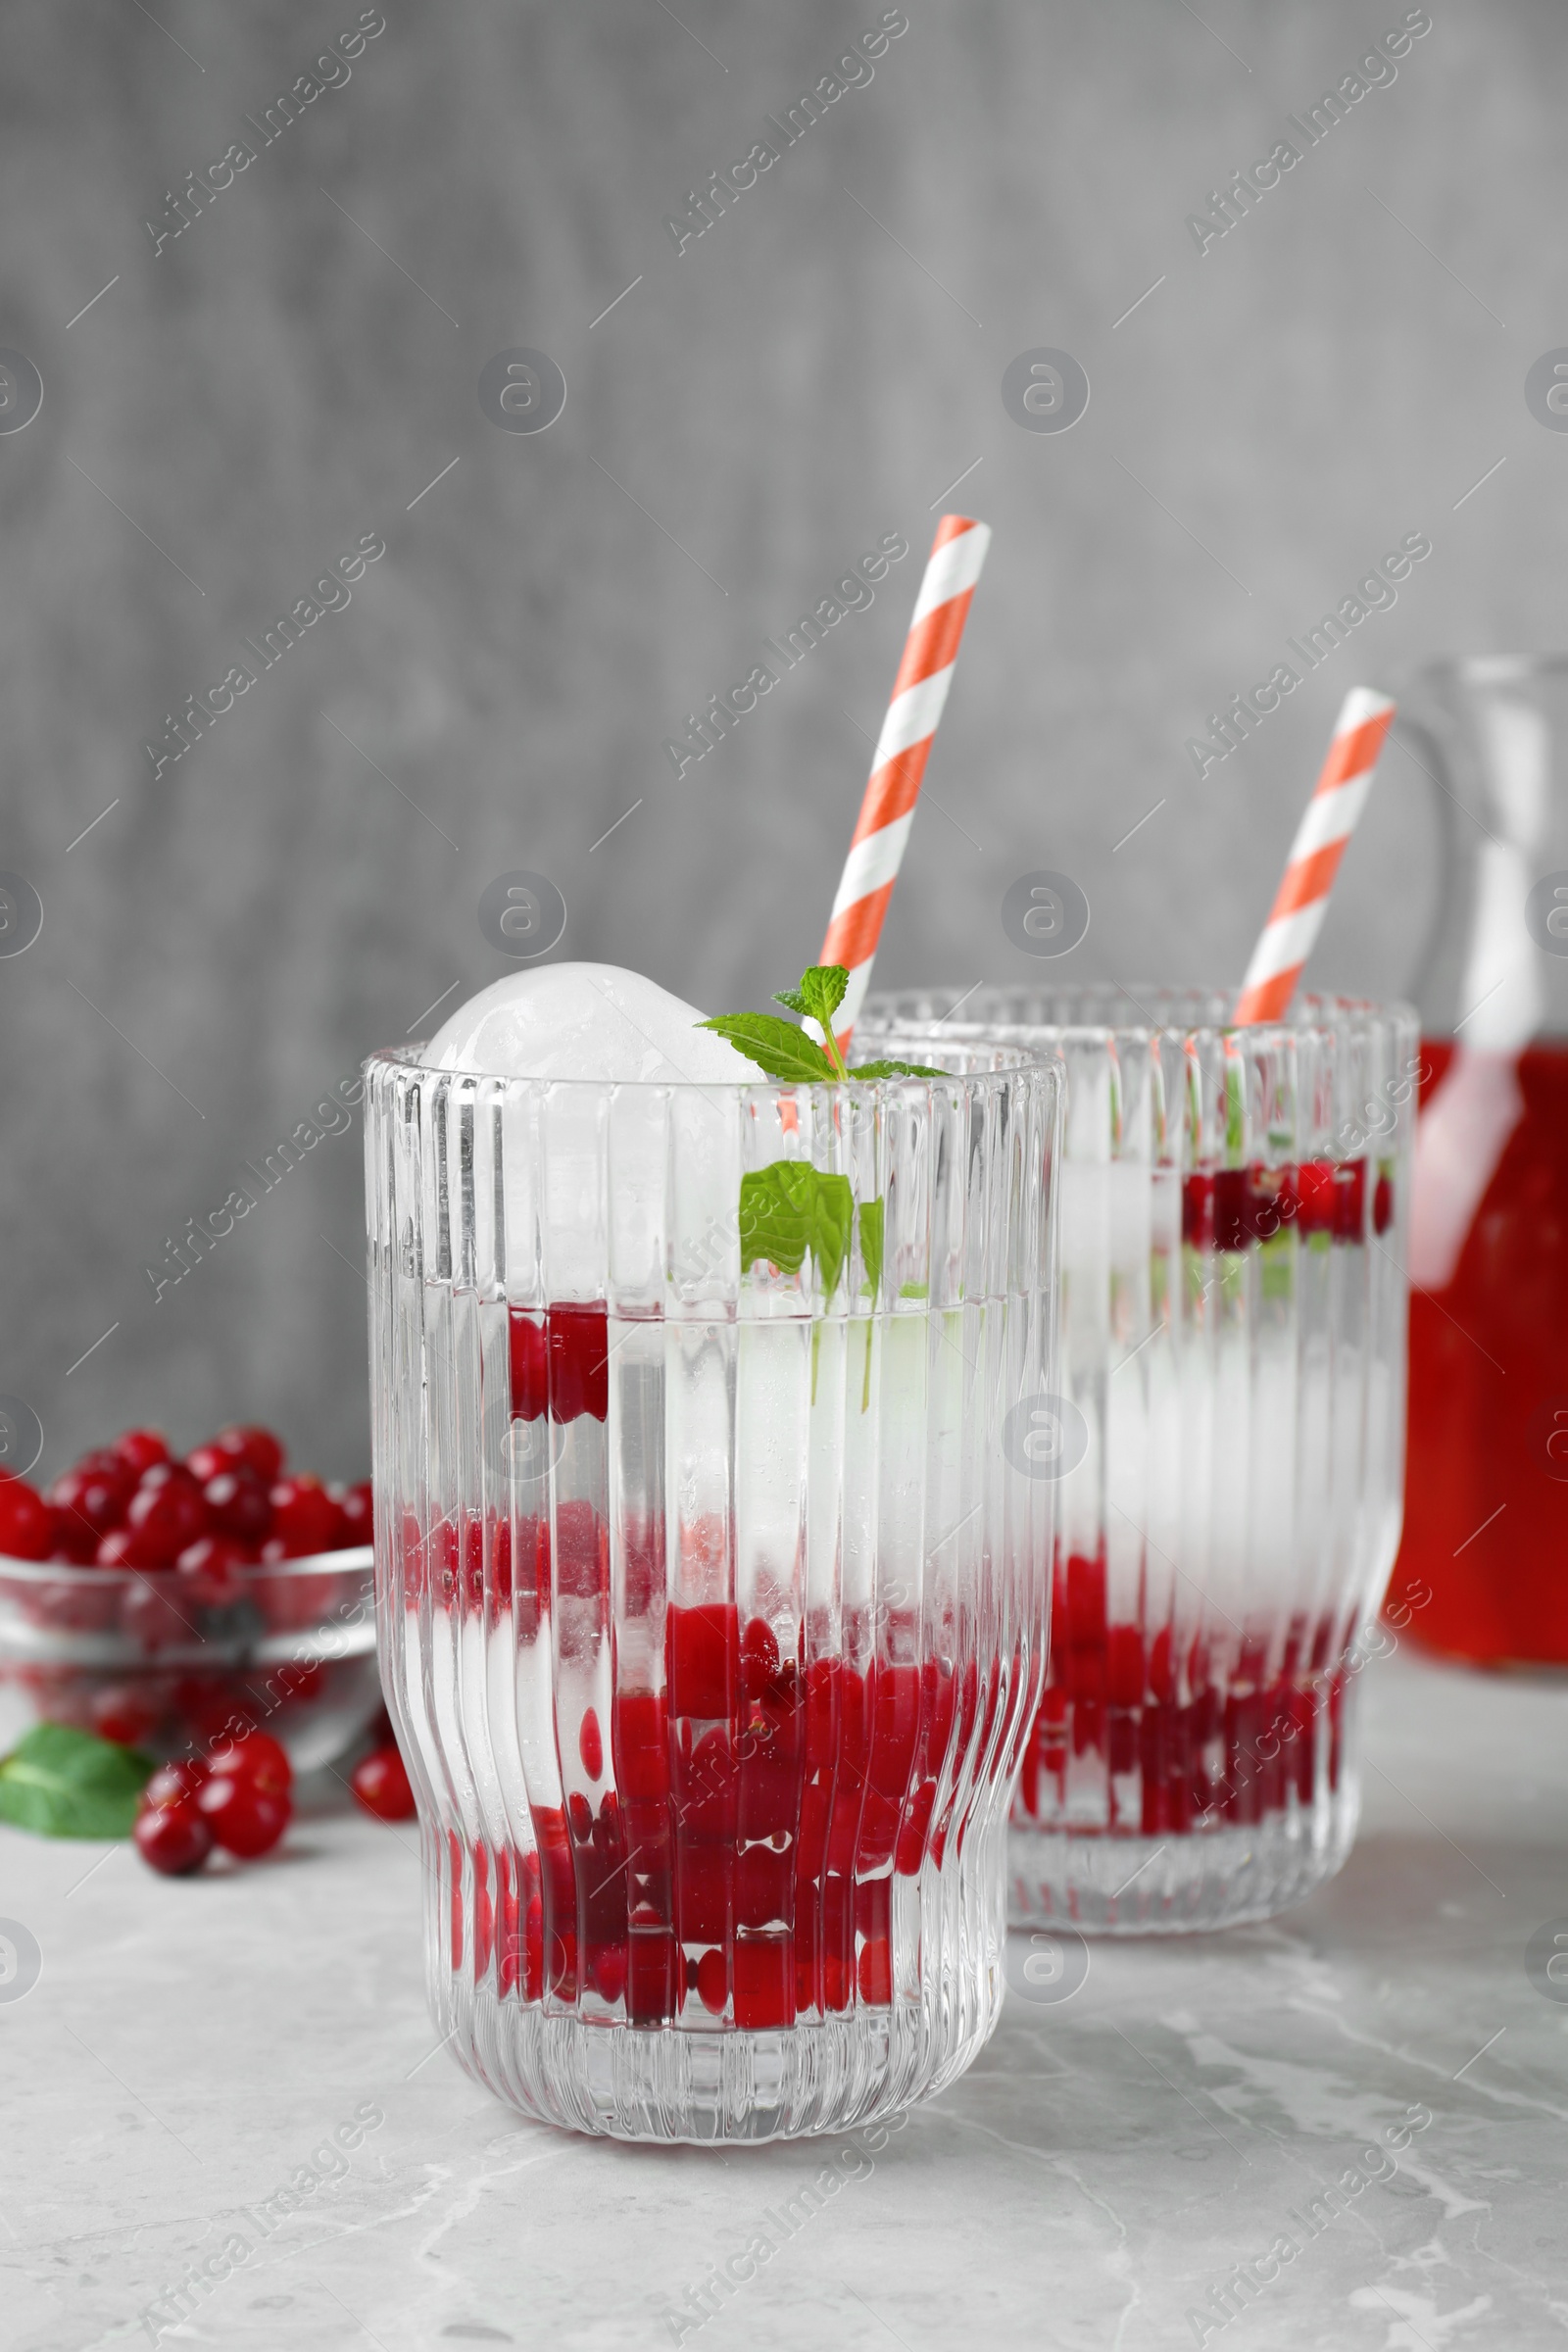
[[779, 1050], [897, 1069], [872, 1218], [789, 1208], [62, 1782]]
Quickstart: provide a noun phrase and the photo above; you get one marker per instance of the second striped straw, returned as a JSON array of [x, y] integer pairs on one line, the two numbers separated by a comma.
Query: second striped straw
[[1302, 900]]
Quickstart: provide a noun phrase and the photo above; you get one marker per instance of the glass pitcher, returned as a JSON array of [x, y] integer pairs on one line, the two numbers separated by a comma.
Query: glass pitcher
[[1483, 1571]]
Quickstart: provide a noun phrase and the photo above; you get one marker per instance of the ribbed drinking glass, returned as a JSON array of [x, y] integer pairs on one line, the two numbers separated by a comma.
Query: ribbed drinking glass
[[712, 1582], [1234, 1207]]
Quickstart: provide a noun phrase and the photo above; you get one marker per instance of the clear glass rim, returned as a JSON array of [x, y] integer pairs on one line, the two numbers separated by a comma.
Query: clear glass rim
[[1020, 1064], [1341, 1012], [309, 1565], [1489, 670]]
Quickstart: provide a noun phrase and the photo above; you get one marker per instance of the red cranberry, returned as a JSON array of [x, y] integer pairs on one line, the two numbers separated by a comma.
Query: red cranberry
[[1198, 1211], [713, 1983], [380, 1785], [759, 1658], [207, 1571], [1383, 1205], [205, 1461], [141, 1448], [256, 1758], [246, 1820], [239, 1504], [166, 1514], [176, 1838], [1315, 1186], [90, 1500], [124, 1714], [256, 1448], [74, 1541], [27, 1523], [113, 1551], [578, 1339], [304, 1518], [530, 1364], [1349, 1200], [105, 1458], [171, 1784], [353, 1507]]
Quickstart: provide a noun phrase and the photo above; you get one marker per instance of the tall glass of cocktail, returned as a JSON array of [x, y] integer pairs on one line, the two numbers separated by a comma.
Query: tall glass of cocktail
[[713, 1601]]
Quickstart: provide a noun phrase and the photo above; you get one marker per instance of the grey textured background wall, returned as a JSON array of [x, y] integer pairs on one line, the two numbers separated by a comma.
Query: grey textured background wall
[[289, 373]]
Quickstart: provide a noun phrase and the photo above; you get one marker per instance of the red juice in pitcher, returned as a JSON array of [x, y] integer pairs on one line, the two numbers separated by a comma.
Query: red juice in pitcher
[[1486, 1507]]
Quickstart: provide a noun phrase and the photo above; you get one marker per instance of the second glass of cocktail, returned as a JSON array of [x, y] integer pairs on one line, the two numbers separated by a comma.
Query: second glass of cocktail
[[1229, 1436]]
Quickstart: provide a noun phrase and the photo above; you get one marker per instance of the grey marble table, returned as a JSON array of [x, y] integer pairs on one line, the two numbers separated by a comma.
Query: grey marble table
[[193, 2050]]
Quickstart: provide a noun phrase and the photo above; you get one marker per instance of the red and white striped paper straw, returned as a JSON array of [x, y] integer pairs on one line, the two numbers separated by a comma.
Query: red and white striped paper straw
[[1302, 897], [898, 764]]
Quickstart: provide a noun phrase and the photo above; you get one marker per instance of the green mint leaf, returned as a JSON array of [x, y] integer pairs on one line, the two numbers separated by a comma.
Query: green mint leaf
[[817, 999], [872, 1219], [789, 1208], [1235, 1114], [775, 1215], [895, 1069], [64, 1784], [821, 992], [832, 1210], [779, 1050]]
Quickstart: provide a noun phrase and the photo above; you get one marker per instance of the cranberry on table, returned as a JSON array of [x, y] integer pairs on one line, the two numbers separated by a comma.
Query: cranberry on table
[[256, 1758], [245, 1819], [237, 1503], [171, 1784], [176, 1838], [27, 1522], [141, 1449], [305, 1519], [380, 1785]]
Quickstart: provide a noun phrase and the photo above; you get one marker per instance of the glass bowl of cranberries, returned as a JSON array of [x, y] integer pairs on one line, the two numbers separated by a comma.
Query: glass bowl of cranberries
[[171, 1603]]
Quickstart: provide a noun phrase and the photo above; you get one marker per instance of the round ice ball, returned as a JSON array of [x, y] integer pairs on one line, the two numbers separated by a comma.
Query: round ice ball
[[586, 1020]]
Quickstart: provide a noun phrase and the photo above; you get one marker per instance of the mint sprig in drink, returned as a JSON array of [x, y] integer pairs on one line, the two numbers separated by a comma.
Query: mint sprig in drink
[[711, 1605]]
